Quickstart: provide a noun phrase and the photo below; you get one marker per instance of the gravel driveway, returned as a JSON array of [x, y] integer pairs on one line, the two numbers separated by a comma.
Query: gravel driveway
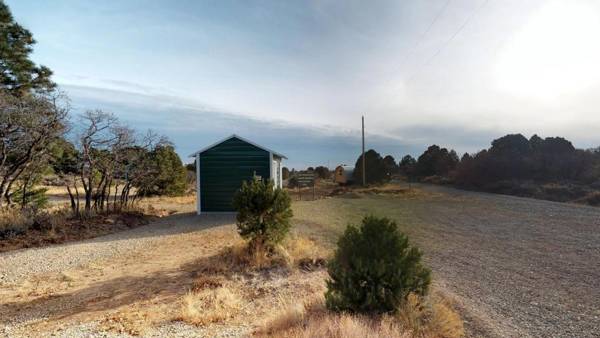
[[531, 266], [15, 266]]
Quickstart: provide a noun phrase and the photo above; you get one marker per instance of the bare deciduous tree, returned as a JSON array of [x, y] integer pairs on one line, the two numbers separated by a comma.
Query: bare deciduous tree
[[28, 126]]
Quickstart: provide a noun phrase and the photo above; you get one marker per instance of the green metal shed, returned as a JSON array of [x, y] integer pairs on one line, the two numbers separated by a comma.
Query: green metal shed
[[223, 166]]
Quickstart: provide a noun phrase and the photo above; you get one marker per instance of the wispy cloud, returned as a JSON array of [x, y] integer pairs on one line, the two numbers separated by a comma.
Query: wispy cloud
[[313, 68], [191, 128]]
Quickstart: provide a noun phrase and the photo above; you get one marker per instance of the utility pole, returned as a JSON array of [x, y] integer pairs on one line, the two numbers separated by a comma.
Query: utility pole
[[364, 181]]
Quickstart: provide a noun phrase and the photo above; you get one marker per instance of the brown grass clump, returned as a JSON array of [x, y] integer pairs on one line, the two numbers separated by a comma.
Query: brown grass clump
[[306, 253], [17, 221], [14, 221], [211, 305], [133, 323], [421, 318], [313, 320], [242, 256], [592, 198], [430, 317], [26, 228]]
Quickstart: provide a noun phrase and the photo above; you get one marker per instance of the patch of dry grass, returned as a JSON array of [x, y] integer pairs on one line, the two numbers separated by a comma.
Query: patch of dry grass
[[313, 320], [134, 323], [297, 251], [210, 305], [14, 219], [430, 317], [24, 229], [423, 318], [160, 200], [17, 221], [237, 272], [306, 253]]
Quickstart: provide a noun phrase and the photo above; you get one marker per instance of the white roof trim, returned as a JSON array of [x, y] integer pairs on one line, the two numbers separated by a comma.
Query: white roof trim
[[241, 138]]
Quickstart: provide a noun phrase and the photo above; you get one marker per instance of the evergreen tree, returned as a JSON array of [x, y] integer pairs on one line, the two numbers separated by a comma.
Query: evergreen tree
[[171, 172], [407, 166], [374, 268], [375, 168], [285, 173], [263, 213], [18, 74], [391, 167]]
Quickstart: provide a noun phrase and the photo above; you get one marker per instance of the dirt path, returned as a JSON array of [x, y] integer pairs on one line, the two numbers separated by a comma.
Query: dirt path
[[519, 267]]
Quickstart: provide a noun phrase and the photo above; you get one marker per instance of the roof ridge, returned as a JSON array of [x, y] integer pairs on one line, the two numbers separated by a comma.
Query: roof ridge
[[240, 138]]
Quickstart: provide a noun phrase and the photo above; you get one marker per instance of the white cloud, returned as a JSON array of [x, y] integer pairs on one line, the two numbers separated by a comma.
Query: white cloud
[[555, 55]]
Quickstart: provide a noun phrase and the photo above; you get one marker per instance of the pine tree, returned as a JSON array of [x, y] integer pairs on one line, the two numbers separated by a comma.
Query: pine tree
[[374, 269], [18, 74]]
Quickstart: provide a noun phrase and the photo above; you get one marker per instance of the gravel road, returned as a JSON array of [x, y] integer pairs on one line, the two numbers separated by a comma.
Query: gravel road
[[15, 266], [532, 266]]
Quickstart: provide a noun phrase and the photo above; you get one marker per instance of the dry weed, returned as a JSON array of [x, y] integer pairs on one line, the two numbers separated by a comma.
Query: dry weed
[[207, 282], [312, 320], [161, 200], [211, 305], [300, 247], [15, 220], [133, 323], [418, 318], [430, 317], [242, 257]]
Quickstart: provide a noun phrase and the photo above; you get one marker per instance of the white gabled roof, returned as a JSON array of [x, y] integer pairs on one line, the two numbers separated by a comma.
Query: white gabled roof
[[241, 138]]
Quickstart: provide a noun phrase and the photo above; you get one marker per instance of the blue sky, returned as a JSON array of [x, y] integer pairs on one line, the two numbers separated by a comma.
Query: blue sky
[[297, 75]]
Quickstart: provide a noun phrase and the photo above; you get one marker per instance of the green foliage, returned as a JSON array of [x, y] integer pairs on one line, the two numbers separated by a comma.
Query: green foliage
[[389, 163], [322, 172], [374, 269], [36, 197], [264, 213], [408, 166], [65, 157], [376, 171], [18, 74], [285, 173], [171, 174], [191, 166], [515, 158], [293, 182], [436, 161]]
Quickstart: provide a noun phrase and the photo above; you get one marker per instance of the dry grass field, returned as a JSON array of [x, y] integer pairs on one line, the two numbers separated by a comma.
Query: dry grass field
[[511, 266]]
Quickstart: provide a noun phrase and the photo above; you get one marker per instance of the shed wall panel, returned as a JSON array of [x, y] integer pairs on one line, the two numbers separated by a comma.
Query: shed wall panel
[[223, 169]]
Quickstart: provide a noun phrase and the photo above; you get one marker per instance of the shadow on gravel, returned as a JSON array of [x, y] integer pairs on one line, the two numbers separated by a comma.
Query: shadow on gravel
[[171, 225], [168, 225], [94, 301]]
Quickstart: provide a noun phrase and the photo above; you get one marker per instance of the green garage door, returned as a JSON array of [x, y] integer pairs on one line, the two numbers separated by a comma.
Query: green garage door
[[224, 167]]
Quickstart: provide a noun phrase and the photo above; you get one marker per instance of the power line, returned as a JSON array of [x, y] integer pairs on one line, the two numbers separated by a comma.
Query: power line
[[420, 39], [452, 37], [438, 15], [424, 34]]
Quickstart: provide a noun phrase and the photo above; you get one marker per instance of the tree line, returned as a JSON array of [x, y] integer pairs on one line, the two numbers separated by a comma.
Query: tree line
[[510, 158]]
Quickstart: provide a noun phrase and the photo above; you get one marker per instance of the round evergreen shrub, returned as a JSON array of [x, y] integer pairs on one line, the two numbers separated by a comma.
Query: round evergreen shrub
[[263, 213], [374, 269]]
